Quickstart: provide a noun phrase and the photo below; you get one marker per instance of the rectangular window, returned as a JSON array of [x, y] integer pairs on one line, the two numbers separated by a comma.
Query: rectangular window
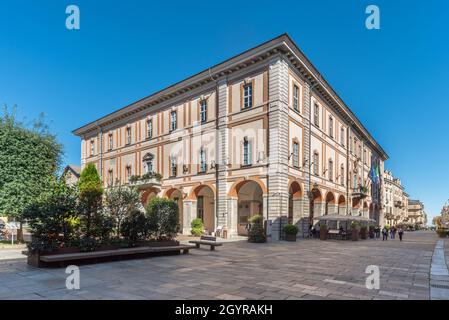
[[296, 97], [110, 177], [331, 170], [128, 172], [92, 147], [342, 136], [331, 127], [149, 128], [296, 154], [364, 156], [247, 153], [316, 115], [128, 135], [316, 164], [173, 121], [110, 141], [355, 181], [174, 166], [248, 96], [203, 165], [342, 176], [203, 111]]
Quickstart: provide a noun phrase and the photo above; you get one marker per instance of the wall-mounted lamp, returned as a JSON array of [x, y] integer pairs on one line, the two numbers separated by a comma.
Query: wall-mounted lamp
[[290, 156], [213, 165], [185, 169]]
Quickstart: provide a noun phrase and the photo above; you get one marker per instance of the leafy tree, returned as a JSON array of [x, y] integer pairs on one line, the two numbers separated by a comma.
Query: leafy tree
[[135, 227], [163, 218], [120, 202], [30, 157], [52, 216], [90, 200]]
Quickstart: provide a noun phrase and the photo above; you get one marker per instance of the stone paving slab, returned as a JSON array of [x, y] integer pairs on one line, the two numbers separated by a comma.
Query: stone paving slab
[[307, 269]]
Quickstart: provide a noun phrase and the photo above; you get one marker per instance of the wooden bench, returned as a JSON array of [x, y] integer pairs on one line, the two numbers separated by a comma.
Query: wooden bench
[[126, 252], [207, 240]]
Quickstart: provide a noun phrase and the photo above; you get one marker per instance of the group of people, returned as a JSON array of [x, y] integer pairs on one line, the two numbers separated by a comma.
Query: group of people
[[392, 232]]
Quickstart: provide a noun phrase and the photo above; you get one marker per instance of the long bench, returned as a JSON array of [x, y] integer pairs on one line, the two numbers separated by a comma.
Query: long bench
[[117, 253], [207, 240]]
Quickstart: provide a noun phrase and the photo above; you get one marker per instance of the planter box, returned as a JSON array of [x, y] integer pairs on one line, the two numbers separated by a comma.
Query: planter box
[[34, 258], [323, 234], [355, 235], [290, 237]]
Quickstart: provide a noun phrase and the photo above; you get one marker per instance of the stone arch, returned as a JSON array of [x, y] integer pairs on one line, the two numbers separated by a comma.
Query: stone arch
[[341, 204], [330, 203], [250, 202], [233, 192], [316, 201], [177, 196], [148, 194], [204, 194], [294, 198], [196, 189]]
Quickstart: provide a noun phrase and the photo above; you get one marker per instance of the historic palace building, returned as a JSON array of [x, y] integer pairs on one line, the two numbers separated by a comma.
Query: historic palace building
[[396, 200], [260, 133]]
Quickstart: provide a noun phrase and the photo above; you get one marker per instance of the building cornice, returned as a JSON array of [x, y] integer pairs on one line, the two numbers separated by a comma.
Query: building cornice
[[283, 45]]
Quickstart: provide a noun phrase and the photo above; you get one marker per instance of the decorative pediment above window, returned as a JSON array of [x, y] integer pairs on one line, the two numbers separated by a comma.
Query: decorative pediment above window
[[148, 157]]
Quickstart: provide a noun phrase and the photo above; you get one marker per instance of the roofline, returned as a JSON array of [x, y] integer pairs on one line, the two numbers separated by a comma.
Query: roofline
[[283, 42]]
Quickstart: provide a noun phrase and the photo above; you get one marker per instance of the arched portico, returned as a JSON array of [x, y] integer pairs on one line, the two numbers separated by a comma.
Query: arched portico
[[177, 196], [295, 207], [341, 205], [316, 204], [204, 196], [250, 198], [330, 204], [148, 194]]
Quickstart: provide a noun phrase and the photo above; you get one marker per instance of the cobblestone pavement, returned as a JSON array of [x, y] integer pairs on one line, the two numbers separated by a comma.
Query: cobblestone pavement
[[307, 269]]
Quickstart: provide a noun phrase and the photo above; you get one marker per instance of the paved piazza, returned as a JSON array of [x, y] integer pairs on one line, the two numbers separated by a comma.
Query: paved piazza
[[307, 269]]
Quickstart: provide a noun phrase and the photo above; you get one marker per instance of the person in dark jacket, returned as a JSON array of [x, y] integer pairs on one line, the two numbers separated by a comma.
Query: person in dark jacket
[[400, 233]]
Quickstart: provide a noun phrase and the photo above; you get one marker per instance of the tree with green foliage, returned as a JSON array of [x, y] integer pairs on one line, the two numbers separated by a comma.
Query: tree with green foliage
[[30, 157], [163, 218], [53, 215], [120, 202], [90, 200]]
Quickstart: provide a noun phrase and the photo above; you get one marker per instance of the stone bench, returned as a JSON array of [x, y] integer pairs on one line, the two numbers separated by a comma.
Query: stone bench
[[206, 240], [125, 253]]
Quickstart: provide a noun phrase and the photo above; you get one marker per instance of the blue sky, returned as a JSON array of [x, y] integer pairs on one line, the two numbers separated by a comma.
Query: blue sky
[[395, 79]]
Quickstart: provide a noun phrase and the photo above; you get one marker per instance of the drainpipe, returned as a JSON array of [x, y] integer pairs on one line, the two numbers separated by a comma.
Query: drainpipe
[[217, 164], [310, 144], [101, 151]]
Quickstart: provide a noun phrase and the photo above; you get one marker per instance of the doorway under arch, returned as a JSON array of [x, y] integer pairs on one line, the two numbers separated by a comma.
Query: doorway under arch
[[294, 193], [330, 203], [205, 206], [315, 204], [249, 204]]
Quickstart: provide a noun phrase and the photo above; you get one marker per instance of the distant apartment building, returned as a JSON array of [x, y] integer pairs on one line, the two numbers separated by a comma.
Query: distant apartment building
[[71, 174], [416, 213], [396, 200], [260, 133]]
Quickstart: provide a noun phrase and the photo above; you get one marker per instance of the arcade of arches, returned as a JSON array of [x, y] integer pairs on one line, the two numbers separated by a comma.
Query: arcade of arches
[[249, 197]]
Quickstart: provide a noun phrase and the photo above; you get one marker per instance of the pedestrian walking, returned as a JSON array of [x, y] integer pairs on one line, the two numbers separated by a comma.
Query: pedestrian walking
[[400, 233], [377, 232], [393, 232], [384, 234]]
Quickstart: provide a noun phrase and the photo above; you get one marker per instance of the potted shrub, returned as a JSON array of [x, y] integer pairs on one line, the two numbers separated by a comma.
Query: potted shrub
[[355, 227], [256, 233], [197, 227], [363, 232], [290, 231], [323, 231]]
